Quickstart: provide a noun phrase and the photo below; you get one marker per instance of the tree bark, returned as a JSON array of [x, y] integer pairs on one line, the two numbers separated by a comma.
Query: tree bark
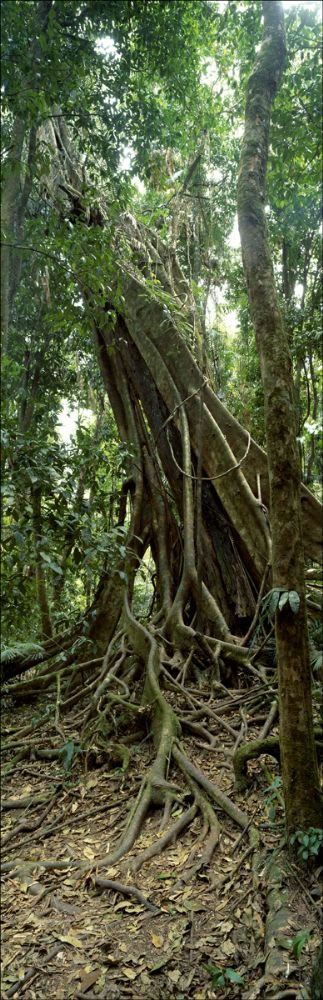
[[299, 763], [17, 188], [8, 210], [46, 625]]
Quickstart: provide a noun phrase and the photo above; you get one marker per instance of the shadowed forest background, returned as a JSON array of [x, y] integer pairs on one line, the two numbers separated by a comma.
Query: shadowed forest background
[[161, 518]]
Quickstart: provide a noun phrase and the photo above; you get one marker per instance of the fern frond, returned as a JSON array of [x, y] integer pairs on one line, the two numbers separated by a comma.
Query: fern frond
[[20, 650]]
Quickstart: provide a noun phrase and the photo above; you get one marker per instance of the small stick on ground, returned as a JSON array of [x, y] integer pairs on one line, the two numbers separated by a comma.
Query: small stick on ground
[[293, 992], [24, 803], [61, 820], [35, 971], [231, 875], [25, 731], [241, 835], [27, 825], [191, 939], [269, 721]]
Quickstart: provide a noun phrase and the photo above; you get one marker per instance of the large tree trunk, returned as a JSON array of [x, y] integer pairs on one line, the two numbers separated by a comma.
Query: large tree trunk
[[211, 558], [148, 369], [299, 763]]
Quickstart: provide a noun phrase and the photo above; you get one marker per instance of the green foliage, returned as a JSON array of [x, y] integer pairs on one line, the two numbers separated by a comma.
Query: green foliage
[[68, 752], [272, 797], [316, 661], [144, 587], [220, 977], [117, 70], [309, 843], [277, 599], [50, 562], [299, 942], [316, 643], [21, 649]]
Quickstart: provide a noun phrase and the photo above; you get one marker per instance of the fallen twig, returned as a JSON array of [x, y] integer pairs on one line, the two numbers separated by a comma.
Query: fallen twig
[[230, 875], [61, 820], [241, 835], [269, 721], [286, 993], [27, 825], [85, 870], [35, 971], [24, 803]]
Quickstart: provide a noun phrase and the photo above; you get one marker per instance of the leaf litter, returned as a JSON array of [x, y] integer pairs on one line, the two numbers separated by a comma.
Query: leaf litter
[[71, 939]]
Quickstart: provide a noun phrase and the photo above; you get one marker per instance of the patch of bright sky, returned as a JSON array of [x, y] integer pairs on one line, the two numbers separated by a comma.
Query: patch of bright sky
[[107, 47], [234, 238], [69, 418], [303, 3], [286, 3], [229, 320]]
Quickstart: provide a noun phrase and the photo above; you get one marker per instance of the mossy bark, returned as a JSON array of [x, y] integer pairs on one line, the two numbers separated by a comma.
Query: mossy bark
[[299, 763], [317, 976]]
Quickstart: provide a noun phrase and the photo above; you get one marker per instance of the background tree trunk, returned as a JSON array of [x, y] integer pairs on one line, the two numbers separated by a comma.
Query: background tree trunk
[[18, 181], [46, 625], [298, 755]]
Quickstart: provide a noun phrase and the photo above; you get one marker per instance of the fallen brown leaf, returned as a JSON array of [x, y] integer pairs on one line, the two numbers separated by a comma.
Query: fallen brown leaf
[[88, 981], [157, 940]]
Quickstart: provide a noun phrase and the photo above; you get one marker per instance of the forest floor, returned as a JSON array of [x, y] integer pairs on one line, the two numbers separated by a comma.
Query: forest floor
[[249, 914]]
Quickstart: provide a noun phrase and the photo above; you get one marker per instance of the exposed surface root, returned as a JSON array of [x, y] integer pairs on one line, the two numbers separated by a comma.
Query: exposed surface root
[[125, 890], [255, 748], [177, 854], [215, 793], [157, 790], [250, 751], [168, 838]]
